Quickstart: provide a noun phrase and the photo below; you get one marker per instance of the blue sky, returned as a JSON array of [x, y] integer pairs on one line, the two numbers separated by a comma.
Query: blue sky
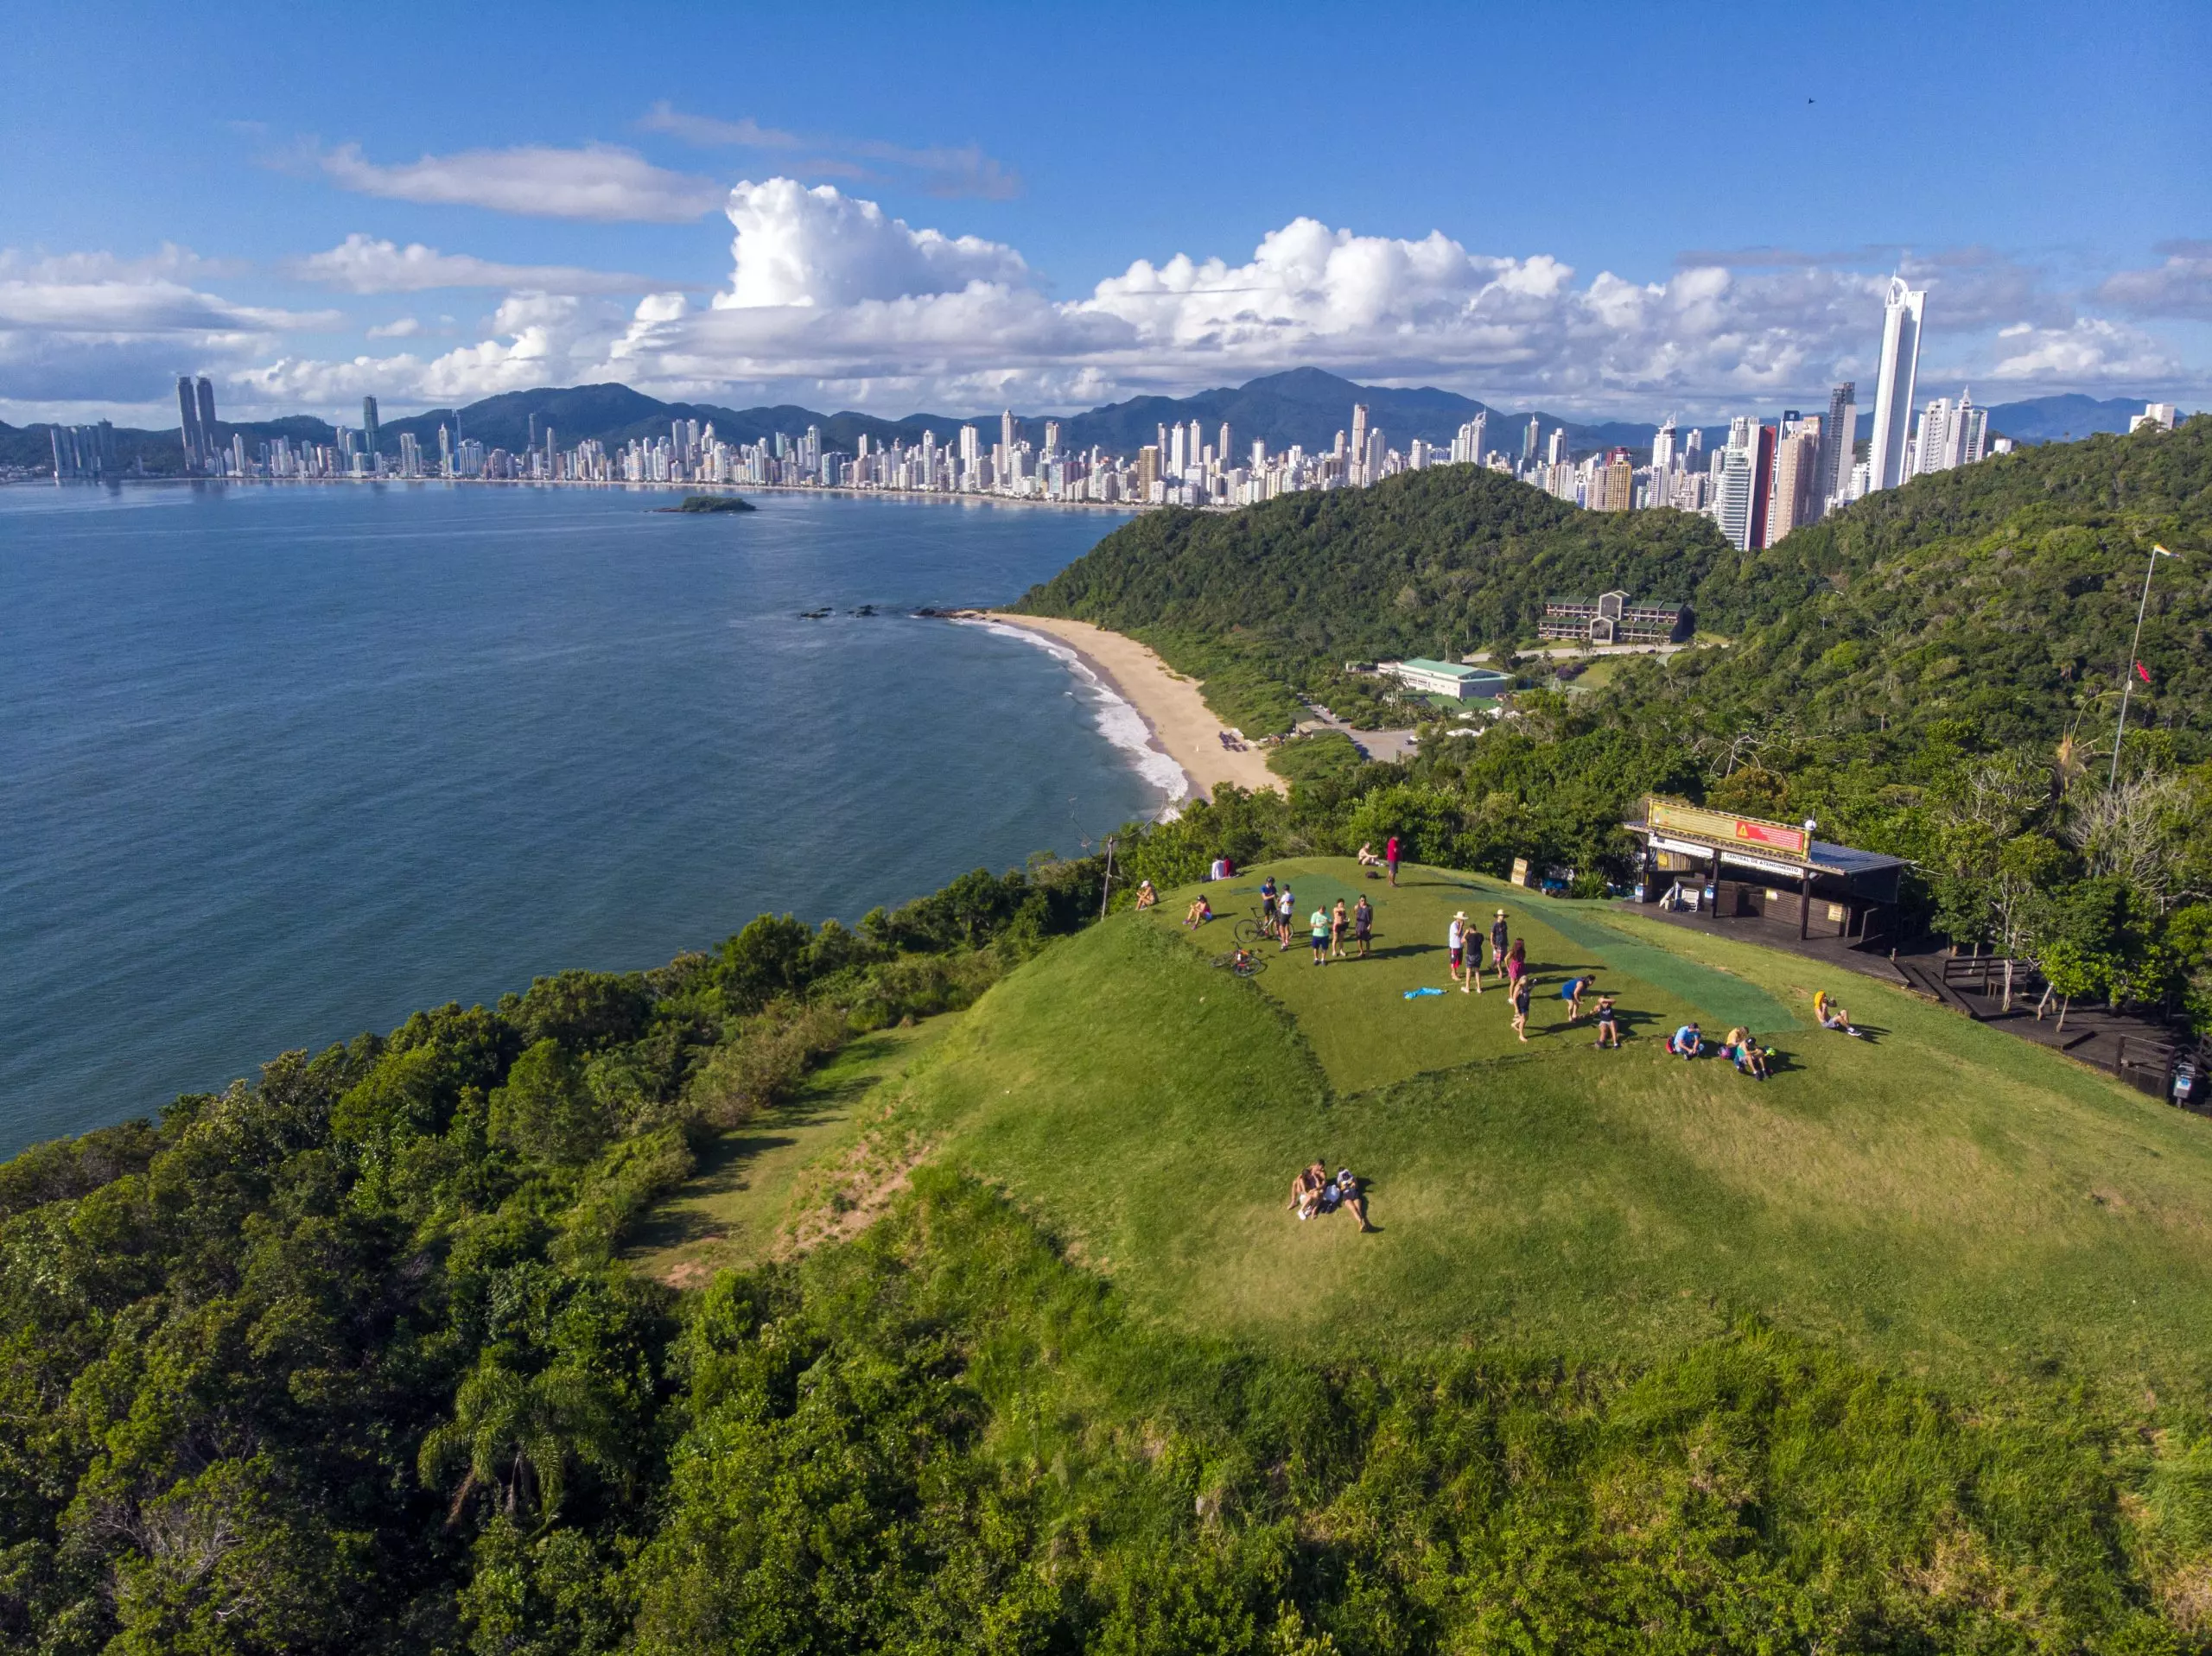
[[1596, 209]]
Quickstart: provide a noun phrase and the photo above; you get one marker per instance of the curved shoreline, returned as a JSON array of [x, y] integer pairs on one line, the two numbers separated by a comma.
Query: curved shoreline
[[1180, 724]]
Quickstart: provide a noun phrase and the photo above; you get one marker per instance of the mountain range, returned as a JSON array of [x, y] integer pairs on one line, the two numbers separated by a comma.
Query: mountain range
[[1304, 406]]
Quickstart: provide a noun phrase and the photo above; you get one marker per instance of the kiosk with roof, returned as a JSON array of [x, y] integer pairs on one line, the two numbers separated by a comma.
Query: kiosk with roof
[[1771, 872]]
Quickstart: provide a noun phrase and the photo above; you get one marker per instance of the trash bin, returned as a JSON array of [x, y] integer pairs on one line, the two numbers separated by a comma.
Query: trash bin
[[2188, 1083]]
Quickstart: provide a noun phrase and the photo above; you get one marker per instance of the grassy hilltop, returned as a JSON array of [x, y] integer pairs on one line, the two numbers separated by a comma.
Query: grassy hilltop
[[1943, 1199], [926, 1285]]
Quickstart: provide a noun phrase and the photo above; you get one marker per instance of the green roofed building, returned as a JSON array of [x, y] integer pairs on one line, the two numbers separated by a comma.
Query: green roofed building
[[1427, 677]]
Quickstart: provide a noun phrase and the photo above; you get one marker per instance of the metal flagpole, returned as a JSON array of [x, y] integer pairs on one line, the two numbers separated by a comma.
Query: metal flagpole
[[2127, 673]]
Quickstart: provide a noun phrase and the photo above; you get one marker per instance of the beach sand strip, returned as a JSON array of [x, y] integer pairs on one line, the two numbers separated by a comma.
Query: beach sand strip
[[1181, 723]]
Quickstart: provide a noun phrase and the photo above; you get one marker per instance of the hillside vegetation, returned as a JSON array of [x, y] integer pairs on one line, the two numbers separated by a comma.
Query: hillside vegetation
[[1020, 1350], [928, 1285], [1935, 672]]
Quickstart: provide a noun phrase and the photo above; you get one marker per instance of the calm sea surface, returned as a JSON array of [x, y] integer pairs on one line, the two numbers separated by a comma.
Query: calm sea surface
[[281, 765]]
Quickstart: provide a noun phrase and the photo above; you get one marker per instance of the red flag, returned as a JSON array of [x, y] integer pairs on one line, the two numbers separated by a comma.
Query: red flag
[[2141, 673]]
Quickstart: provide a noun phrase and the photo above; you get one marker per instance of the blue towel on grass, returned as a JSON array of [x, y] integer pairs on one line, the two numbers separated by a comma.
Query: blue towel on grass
[[1412, 994]]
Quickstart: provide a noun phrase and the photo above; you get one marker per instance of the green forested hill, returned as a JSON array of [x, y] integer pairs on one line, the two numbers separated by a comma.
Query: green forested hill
[[1425, 562], [2003, 594], [1936, 672]]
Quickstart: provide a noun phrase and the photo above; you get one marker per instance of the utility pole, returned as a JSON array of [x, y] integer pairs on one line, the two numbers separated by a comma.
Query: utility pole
[[2127, 672], [1106, 890]]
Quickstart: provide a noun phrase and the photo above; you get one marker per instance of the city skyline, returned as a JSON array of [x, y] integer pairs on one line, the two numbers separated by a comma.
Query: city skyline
[[1756, 486], [954, 222]]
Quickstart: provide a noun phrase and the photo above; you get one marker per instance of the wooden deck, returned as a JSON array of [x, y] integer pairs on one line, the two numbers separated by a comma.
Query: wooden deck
[[2138, 1048]]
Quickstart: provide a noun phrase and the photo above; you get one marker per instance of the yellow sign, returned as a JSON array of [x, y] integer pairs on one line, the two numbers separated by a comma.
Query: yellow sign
[[1520, 871], [1778, 838]]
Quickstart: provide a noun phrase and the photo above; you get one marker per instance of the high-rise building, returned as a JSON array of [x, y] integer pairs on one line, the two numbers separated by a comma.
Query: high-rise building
[[1529, 442], [1662, 450], [1797, 494], [1732, 487], [1613, 485], [1555, 450], [1359, 438], [1009, 430], [196, 453], [1969, 432], [211, 443], [1147, 473], [1762, 487], [1901, 318], [1933, 440], [1052, 439], [1177, 460], [1377, 452], [1223, 448], [2161, 415], [368, 431], [1839, 439]]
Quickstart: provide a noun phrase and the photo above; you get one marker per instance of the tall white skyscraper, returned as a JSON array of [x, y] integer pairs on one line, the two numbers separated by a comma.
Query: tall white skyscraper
[[1176, 458], [1662, 448], [1555, 451], [1901, 318], [1358, 438], [1736, 468], [1839, 434], [1528, 443]]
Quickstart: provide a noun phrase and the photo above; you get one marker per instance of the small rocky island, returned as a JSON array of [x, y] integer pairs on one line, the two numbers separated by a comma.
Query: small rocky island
[[709, 503]]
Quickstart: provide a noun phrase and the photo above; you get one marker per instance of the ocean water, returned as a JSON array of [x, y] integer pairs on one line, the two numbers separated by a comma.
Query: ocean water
[[280, 765]]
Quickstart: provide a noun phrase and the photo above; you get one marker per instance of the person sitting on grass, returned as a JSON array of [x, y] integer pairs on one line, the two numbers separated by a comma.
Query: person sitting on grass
[[1306, 1189], [1686, 1042], [1609, 1033], [1146, 896], [1199, 913], [1751, 1060], [1367, 856], [1834, 1017], [1571, 991], [1346, 1191], [1318, 924]]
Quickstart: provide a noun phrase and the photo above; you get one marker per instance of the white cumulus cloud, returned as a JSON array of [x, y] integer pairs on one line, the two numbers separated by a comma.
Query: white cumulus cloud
[[821, 248], [597, 181], [365, 264], [2091, 351], [2181, 287]]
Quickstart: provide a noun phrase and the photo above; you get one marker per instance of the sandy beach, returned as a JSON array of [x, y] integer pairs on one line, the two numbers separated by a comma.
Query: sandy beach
[[1182, 726]]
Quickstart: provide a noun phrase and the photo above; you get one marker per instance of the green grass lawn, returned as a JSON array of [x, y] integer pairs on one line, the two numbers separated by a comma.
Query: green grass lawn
[[1946, 1198], [733, 1210]]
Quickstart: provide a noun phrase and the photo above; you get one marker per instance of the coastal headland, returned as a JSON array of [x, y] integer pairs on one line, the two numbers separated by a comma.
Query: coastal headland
[[1184, 727]]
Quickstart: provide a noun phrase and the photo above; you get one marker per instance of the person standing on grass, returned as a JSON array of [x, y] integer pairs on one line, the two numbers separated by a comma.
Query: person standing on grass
[[1319, 924], [1390, 857], [1521, 1006], [1516, 963], [1339, 922], [1362, 923], [1498, 939], [1455, 942], [1286, 911]]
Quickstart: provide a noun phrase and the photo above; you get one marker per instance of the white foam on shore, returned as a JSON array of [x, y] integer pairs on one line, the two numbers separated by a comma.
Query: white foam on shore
[[1118, 720]]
